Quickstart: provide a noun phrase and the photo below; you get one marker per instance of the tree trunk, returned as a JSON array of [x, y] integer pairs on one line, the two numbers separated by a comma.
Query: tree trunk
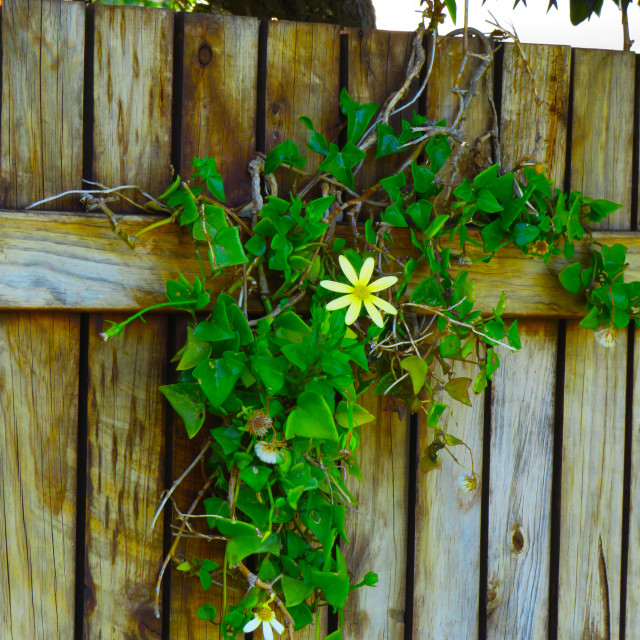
[[347, 13]]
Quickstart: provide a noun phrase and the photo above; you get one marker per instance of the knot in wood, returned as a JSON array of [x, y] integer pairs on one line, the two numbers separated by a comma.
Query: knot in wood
[[517, 539], [205, 54]]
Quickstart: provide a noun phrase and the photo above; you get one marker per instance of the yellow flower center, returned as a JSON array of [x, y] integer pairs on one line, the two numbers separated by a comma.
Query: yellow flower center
[[361, 292], [265, 614]]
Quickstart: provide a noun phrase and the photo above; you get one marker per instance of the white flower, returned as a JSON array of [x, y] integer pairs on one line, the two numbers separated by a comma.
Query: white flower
[[606, 337], [267, 617], [269, 450], [360, 292], [467, 482]]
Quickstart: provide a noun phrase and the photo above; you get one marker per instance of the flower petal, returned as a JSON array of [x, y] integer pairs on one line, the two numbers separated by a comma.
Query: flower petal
[[382, 283], [367, 270], [348, 270], [340, 302], [340, 287], [374, 313], [277, 625], [252, 624], [354, 311], [384, 305], [266, 631]]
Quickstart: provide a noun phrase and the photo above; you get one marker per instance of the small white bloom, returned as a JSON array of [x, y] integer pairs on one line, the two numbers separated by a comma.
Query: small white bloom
[[467, 482], [606, 337], [269, 450], [265, 616]]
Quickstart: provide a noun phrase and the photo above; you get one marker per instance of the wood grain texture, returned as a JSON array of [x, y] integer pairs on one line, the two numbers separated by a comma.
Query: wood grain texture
[[133, 71], [39, 355], [124, 480], [591, 503], [633, 562], [551, 68], [443, 103], [519, 536], [74, 261], [42, 84], [301, 83], [219, 97], [594, 402], [377, 64], [377, 529], [602, 130], [447, 530]]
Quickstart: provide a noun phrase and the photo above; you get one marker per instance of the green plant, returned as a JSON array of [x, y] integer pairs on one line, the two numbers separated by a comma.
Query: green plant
[[284, 388]]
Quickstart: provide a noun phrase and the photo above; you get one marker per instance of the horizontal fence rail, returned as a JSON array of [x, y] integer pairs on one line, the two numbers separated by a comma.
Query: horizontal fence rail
[[548, 545]]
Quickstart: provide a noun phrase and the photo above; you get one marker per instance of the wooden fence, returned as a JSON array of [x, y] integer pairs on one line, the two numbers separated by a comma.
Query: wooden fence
[[547, 547]]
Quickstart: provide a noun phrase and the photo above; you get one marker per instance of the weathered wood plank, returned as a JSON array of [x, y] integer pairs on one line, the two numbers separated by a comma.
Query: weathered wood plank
[[591, 503], [42, 83], [377, 65], [39, 354], [124, 480], [133, 70], [442, 102], [309, 87], [74, 261], [219, 97], [602, 131], [519, 534], [447, 530], [551, 67], [594, 403], [377, 528], [633, 562], [520, 486]]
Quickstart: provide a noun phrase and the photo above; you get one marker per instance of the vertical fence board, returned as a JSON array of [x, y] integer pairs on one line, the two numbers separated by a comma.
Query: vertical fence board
[[520, 486], [39, 356], [594, 407], [436, 565], [124, 479], [302, 83], [551, 67], [633, 566], [133, 70], [377, 64], [518, 565], [219, 97], [377, 528], [42, 82], [602, 130], [449, 570]]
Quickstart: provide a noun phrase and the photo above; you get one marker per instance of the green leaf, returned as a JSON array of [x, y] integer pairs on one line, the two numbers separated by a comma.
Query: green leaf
[[458, 389], [256, 245], [206, 612], [451, 8], [194, 353], [188, 402], [358, 116], [570, 277], [422, 177], [393, 185], [492, 235], [311, 418], [487, 202], [394, 216], [513, 336], [359, 415], [189, 210], [449, 345], [428, 292], [286, 151], [524, 233], [301, 615], [420, 213], [464, 191], [317, 142], [207, 171], [271, 371], [340, 163], [255, 476], [217, 378], [227, 247], [418, 369], [438, 150], [295, 591], [387, 140], [487, 178], [435, 226]]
